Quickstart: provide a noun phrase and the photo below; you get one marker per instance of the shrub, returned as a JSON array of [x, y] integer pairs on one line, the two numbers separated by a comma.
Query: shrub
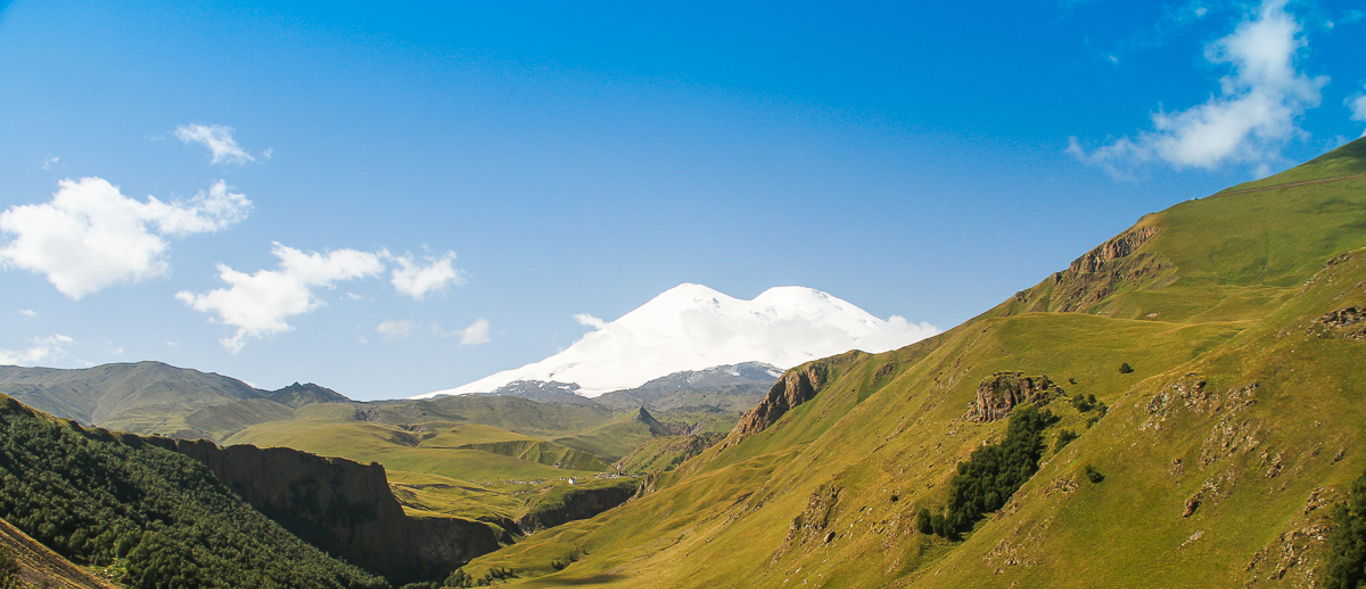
[[1065, 437], [923, 522], [1125, 368], [1094, 475], [459, 578], [1080, 403], [1345, 567]]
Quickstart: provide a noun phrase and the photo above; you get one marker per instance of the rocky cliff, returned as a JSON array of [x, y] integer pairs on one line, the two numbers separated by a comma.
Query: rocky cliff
[[1095, 275], [796, 386], [576, 504], [343, 507], [1002, 391]]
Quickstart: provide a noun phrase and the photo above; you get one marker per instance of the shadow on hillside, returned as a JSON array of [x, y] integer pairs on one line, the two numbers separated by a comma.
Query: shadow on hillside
[[593, 580]]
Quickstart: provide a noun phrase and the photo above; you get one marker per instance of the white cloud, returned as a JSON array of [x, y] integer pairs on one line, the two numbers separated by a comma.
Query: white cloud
[[28, 313], [218, 139], [397, 329], [50, 161], [116, 351], [587, 320], [477, 333], [90, 236], [1248, 121], [258, 304], [43, 349], [417, 280], [1358, 106]]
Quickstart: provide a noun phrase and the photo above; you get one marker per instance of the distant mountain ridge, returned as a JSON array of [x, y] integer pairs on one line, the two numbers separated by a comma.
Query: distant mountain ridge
[[693, 327], [155, 397]]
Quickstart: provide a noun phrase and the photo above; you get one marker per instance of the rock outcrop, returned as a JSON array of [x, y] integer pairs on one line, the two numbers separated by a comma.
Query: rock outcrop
[[343, 507], [1002, 391], [1095, 275], [796, 386], [1348, 322], [577, 504]]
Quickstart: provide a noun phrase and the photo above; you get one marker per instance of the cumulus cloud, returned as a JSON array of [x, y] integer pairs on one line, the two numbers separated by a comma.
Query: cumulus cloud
[[223, 149], [397, 329], [477, 333], [42, 349], [1249, 120], [90, 236], [417, 279], [1358, 107], [587, 320], [260, 303]]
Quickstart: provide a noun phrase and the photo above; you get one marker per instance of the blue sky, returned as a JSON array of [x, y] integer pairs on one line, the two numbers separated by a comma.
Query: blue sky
[[918, 159]]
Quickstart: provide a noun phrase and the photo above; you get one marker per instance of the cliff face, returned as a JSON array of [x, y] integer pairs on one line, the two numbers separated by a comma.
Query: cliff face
[[577, 504], [1096, 275], [1001, 392], [343, 507], [796, 386]]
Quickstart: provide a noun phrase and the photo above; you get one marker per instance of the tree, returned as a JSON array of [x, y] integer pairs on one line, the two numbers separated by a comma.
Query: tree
[[9, 567], [1065, 437], [1125, 368], [1094, 475], [923, 521], [1346, 564]]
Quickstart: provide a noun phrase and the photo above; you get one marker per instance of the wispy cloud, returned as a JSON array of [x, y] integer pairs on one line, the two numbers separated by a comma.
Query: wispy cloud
[[476, 333], [223, 149], [50, 162], [1358, 106], [90, 236], [397, 329], [587, 320], [42, 349], [260, 303], [418, 279], [1251, 118]]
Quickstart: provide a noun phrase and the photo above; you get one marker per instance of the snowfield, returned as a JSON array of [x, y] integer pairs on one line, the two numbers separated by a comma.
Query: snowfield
[[693, 327]]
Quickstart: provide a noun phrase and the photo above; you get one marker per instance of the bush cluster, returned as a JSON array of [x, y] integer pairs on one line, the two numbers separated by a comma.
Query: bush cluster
[[991, 475]]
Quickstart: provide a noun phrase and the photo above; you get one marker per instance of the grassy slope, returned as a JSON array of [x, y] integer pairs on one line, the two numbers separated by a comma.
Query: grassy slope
[[445, 468], [1228, 304]]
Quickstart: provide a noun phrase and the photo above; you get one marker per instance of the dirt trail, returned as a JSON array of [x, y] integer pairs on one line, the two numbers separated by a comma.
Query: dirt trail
[[42, 567]]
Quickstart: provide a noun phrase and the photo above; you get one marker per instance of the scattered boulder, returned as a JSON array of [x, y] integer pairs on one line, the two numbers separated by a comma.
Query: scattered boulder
[[1348, 323]]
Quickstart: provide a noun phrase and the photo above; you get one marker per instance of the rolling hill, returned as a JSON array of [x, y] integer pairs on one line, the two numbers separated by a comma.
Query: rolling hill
[[1202, 377]]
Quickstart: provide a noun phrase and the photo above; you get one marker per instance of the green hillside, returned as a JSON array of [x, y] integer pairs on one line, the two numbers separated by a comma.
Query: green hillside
[[1222, 342], [145, 516]]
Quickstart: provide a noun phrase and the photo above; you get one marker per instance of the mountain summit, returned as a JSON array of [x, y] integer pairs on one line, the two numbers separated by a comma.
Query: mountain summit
[[692, 327]]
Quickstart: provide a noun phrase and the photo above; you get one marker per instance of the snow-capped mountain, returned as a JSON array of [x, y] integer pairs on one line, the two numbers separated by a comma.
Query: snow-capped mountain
[[692, 327]]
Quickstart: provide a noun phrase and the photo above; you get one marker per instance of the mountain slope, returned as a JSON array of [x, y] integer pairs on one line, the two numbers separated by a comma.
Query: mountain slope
[[155, 517], [157, 398], [733, 387], [692, 327], [1209, 461]]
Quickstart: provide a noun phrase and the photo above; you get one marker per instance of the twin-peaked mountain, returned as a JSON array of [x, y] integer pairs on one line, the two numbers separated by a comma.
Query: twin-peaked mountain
[[692, 327]]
